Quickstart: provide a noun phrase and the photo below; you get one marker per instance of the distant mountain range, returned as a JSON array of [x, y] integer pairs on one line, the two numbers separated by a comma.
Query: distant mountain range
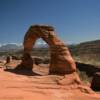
[[10, 47], [15, 47]]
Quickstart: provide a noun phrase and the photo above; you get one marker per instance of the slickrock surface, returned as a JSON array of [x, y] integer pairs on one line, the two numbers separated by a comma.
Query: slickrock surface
[[23, 87]]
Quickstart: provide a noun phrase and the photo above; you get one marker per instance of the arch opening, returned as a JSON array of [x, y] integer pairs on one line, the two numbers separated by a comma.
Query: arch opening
[[40, 53]]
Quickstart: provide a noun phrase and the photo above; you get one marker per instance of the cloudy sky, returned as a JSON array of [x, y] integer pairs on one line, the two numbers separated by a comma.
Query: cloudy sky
[[74, 20]]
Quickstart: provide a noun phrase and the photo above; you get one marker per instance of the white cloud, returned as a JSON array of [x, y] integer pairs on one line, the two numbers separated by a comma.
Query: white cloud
[[18, 44]]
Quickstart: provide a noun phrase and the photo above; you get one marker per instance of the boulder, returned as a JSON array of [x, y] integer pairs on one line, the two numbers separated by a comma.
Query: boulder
[[38, 60], [95, 84]]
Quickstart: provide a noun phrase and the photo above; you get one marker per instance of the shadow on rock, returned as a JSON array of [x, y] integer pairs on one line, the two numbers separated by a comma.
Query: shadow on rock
[[21, 70], [89, 69]]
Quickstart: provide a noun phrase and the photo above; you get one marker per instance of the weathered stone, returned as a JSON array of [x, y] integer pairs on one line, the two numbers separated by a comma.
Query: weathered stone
[[46, 61], [15, 57], [37, 60], [8, 59], [95, 85], [61, 59], [27, 62]]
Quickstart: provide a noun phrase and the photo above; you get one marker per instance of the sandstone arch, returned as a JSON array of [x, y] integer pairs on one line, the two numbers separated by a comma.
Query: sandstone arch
[[61, 59]]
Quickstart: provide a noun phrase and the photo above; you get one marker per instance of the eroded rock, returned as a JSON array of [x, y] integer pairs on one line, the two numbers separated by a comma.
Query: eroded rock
[[95, 85], [61, 59], [27, 62]]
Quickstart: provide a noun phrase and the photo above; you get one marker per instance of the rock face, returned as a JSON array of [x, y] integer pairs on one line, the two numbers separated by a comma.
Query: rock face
[[22, 87], [27, 62], [90, 70], [61, 59], [95, 85], [88, 52]]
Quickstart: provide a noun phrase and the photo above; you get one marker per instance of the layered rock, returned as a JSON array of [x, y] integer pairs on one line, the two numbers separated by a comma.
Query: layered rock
[[61, 59]]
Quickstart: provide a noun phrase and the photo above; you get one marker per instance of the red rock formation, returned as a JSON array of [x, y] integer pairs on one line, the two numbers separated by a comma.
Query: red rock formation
[[21, 87], [61, 59]]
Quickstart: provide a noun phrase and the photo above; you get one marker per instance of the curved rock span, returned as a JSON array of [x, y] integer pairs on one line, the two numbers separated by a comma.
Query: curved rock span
[[61, 59]]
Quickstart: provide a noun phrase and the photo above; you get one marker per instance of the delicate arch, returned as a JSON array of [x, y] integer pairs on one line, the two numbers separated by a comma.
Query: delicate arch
[[61, 60]]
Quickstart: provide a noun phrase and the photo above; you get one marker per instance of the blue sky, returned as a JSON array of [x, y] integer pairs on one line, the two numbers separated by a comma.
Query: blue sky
[[74, 20]]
